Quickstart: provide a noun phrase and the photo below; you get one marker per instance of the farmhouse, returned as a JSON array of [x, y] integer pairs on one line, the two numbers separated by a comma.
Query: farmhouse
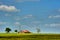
[[24, 31]]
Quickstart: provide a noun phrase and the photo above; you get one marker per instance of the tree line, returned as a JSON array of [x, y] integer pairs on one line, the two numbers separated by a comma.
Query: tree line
[[8, 30]]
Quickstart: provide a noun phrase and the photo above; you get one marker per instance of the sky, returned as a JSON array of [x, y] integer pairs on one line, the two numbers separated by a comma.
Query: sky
[[30, 15]]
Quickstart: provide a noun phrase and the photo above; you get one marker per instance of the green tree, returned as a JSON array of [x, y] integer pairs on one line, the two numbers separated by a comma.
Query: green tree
[[38, 30], [7, 30], [16, 31]]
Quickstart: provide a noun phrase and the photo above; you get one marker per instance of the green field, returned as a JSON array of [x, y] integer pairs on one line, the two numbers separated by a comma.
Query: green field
[[16, 36]]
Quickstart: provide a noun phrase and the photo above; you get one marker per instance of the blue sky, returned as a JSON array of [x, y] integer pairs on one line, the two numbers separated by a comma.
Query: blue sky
[[30, 14]]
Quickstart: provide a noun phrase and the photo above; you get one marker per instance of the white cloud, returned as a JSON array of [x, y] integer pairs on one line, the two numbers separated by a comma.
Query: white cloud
[[1, 3], [58, 10], [17, 18], [8, 8], [23, 17], [31, 0], [36, 22], [50, 17], [7, 15], [25, 0], [17, 23], [2, 23], [23, 25], [56, 16], [53, 25], [28, 16]]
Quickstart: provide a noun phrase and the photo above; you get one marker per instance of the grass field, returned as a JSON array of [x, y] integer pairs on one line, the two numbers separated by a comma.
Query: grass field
[[16, 36]]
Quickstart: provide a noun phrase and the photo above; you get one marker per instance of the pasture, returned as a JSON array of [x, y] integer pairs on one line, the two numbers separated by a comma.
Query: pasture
[[16, 36]]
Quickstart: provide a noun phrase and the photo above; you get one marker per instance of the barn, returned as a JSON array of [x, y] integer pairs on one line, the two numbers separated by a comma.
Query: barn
[[24, 31]]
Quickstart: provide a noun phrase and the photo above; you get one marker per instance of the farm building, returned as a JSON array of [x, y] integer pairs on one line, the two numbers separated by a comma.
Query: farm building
[[24, 31]]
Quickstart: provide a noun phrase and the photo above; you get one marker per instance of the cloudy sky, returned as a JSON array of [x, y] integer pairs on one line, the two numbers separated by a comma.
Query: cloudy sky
[[30, 14]]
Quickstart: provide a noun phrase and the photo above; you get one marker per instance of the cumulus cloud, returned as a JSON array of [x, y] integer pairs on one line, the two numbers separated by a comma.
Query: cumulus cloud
[[56, 16], [8, 8], [53, 25]]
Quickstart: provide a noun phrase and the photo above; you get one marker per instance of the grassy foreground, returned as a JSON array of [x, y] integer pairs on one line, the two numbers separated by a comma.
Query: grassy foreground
[[16, 36]]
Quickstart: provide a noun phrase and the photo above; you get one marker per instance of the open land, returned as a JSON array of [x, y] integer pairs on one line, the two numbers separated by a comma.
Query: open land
[[22, 36]]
